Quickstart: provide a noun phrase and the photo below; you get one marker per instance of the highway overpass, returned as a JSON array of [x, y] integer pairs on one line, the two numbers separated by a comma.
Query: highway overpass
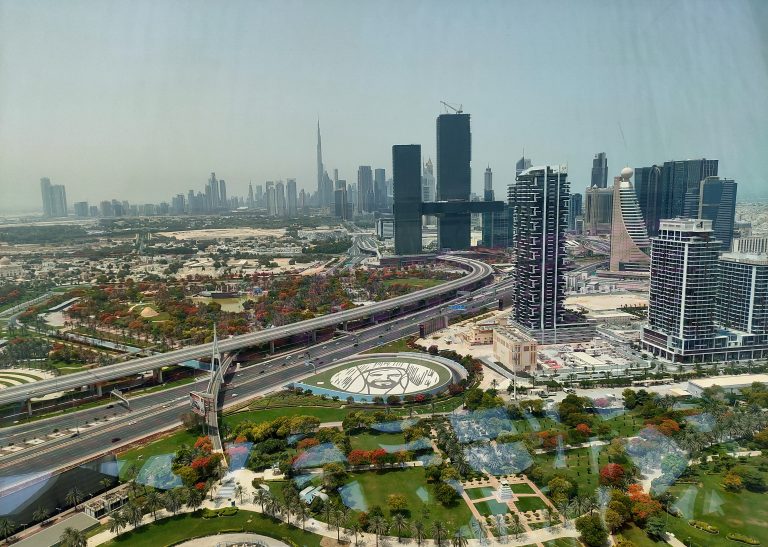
[[478, 273]]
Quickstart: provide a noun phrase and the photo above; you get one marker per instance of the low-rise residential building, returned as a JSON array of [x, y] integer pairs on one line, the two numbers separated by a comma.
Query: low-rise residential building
[[730, 384]]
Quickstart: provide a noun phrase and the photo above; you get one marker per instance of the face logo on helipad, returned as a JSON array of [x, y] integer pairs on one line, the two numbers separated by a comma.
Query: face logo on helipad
[[395, 378]]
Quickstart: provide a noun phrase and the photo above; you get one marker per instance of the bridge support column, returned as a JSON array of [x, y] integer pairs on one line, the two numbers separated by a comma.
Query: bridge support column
[[97, 387], [345, 325], [157, 374], [29, 407], [271, 347], [373, 320], [313, 336]]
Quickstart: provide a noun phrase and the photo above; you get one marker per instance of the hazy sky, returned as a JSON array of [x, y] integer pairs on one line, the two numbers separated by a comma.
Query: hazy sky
[[140, 100]]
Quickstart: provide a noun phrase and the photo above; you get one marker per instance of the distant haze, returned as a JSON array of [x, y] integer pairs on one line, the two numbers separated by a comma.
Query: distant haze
[[141, 100]]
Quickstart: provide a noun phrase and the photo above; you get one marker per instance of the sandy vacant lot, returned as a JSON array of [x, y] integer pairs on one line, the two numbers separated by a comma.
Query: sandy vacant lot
[[225, 233], [601, 302]]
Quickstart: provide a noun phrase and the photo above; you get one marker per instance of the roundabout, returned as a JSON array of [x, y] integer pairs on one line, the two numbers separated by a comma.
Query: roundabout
[[382, 375]]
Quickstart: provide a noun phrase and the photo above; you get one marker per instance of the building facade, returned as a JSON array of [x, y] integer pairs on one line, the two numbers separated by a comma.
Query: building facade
[[742, 302], [599, 171], [629, 240], [717, 202], [454, 179], [406, 173], [515, 349], [598, 210]]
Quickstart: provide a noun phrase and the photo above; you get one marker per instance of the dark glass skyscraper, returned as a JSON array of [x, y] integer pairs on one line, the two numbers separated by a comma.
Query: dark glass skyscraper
[[541, 216], [365, 191], [406, 175], [717, 202], [380, 189], [454, 178], [600, 170]]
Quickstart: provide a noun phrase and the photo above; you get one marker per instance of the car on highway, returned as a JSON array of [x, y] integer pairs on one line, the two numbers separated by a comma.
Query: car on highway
[[115, 439], [233, 395]]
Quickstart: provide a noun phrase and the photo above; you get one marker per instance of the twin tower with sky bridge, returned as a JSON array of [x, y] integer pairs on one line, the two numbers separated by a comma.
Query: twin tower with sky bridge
[[453, 206]]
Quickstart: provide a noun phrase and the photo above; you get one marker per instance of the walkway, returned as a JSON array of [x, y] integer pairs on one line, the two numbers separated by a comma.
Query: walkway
[[229, 539]]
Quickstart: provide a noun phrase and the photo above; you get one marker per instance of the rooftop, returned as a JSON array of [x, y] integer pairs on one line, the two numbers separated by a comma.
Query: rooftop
[[725, 381]]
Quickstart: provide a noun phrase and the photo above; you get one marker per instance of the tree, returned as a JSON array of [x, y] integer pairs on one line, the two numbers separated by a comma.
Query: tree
[[261, 497], [334, 475], [172, 500], [72, 537], [7, 527], [417, 528], [239, 491], [656, 527], [153, 502], [458, 539], [613, 520], [397, 503], [132, 514], [732, 482], [438, 532], [379, 526], [444, 493], [41, 513], [117, 523], [612, 474], [399, 522], [591, 530], [74, 497]]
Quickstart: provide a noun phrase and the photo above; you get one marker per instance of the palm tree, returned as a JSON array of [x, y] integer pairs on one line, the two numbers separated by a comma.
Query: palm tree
[[172, 500], [7, 528], [41, 513], [417, 528], [516, 527], [302, 512], [239, 491], [71, 537], [132, 514], [338, 519], [105, 483], [438, 532], [194, 498], [153, 502], [459, 540], [355, 528], [74, 497], [117, 522], [261, 497], [378, 526], [399, 522], [273, 507]]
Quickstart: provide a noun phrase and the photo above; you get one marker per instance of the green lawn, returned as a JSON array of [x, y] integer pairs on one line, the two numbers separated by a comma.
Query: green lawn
[[415, 282], [181, 527], [477, 493], [392, 347], [521, 488], [640, 539], [378, 485], [491, 507], [530, 503], [626, 425], [257, 416], [744, 512], [371, 440], [164, 445], [578, 466], [563, 542], [323, 379]]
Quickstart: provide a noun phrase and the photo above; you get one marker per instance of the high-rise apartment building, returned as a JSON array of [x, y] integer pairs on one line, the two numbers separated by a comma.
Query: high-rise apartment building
[[223, 203], [717, 202], [574, 211], [629, 239], [522, 164], [428, 190], [81, 208], [213, 184], [750, 245], [406, 174], [488, 217], [323, 199], [250, 203], [742, 303], [340, 199], [650, 197], [281, 208], [683, 290], [598, 210], [600, 171], [291, 198], [365, 190], [54, 198], [541, 217], [454, 178]]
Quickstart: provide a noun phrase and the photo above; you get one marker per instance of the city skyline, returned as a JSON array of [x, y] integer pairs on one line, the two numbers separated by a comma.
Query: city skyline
[[112, 103]]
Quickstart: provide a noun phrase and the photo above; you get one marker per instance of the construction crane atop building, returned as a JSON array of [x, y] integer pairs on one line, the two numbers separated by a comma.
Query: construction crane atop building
[[450, 106]]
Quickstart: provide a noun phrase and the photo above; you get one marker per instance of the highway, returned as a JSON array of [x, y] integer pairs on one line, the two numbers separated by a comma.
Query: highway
[[161, 410], [479, 272]]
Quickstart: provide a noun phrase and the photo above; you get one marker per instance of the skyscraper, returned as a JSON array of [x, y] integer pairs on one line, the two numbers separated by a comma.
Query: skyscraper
[[280, 204], [45, 191], [541, 217], [598, 210], [81, 208], [223, 194], [213, 184], [600, 170], [684, 281], [270, 198], [742, 302], [629, 239], [340, 199], [365, 192], [650, 197], [406, 174], [321, 190], [522, 164], [717, 202], [250, 202], [488, 217], [380, 189], [574, 211], [290, 191], [454, 176], [428, 190], [54, 198]]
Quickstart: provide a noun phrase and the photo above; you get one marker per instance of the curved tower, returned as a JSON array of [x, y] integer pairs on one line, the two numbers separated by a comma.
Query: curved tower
[[629, 237]]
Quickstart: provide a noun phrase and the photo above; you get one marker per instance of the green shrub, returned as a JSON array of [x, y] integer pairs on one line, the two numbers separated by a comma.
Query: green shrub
[[209, 513], [228, 511], [735, 536], [703, 526]]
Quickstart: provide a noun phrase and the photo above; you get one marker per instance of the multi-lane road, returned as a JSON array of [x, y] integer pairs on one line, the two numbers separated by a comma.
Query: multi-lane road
[[116, 426], [478, 272]]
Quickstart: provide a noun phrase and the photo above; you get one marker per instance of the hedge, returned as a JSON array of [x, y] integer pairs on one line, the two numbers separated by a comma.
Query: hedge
[[735, 536], [223, 512], [703, 526]]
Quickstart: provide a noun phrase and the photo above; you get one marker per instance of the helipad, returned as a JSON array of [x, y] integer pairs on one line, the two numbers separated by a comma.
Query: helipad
[[385, 374]]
